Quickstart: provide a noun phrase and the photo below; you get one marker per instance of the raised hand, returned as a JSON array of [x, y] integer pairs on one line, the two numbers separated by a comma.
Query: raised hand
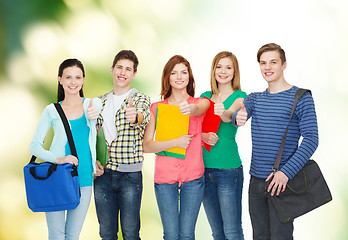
[[185, 108], [242, 116], [92, 111], [131, 112], [219, 108]]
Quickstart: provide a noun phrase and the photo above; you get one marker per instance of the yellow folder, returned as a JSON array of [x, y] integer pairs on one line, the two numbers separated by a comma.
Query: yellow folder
[[171, 124]]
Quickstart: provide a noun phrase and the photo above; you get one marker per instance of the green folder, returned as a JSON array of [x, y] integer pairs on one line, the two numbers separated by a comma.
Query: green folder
[[101, 147]]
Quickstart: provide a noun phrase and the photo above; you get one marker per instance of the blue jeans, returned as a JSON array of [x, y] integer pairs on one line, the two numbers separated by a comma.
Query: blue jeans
[[223, 202], [179, 208], [67, 225], [264, 219], [118, 193]]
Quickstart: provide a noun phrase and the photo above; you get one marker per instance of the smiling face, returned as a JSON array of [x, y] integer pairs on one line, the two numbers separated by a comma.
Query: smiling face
[[271, 66], [123, 73], [72, 80], [224, 72], [179, 77]]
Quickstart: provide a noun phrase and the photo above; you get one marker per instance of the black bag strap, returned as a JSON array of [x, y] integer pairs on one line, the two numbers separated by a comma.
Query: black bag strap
[[53, 167], [299, 93], [67, 129]]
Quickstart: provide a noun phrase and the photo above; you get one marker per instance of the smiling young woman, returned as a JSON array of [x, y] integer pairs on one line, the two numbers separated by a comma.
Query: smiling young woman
[[71, 76], [223, 166], [179, 183]]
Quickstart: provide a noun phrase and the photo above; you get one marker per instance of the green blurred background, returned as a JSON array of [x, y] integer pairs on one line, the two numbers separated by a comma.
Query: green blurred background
[[37, 35]]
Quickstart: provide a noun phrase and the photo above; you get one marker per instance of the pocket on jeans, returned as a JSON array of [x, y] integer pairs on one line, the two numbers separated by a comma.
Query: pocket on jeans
[[135, 177]]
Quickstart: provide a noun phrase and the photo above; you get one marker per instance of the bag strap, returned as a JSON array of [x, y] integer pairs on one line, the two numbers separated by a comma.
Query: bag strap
[[299, 93], [67, 129]]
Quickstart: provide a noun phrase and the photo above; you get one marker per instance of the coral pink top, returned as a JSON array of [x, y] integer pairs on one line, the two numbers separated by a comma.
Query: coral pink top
[[171, 169]]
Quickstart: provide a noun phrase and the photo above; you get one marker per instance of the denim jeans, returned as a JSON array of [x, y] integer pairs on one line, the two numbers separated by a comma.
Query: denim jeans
[[118, 194], [179, 207], [264, 219], [223, 202], [67, 225]]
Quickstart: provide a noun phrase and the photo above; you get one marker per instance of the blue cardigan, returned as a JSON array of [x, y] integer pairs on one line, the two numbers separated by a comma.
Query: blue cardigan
[[50, 117]]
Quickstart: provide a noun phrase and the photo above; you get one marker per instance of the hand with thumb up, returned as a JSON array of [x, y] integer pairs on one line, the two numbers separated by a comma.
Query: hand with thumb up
[[131, 112], [185, 108], [219, 108], [242, 116], [92, 111]]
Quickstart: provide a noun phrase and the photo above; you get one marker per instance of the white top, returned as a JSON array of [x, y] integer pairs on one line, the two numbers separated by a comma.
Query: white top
[[112, 105]]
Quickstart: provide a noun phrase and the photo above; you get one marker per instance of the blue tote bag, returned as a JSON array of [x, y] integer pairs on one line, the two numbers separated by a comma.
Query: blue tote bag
[[53, 187]]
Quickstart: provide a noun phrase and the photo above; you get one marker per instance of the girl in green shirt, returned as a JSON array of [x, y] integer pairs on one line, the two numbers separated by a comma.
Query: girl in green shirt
[[223, 167]]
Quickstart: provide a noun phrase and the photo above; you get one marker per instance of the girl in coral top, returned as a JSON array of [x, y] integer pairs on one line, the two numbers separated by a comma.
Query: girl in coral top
[[179, 183]]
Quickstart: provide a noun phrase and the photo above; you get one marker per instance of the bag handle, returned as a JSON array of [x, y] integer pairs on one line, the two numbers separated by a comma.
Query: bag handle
[[299, 93], [51, 169]]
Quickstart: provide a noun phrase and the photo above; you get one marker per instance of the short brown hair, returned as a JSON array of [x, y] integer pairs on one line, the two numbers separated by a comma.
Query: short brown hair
[[166, 88], [236, 78], [271, 47], [127, 54]]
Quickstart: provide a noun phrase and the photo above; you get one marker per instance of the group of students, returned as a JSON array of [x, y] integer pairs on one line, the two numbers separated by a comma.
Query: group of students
[[214, 178]]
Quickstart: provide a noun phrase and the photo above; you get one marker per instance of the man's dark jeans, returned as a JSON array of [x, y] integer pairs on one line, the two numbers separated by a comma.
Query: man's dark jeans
[[118, 193], [264, 219]]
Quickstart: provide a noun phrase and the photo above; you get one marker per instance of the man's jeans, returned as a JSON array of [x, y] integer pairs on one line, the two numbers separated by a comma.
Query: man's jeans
[[118, 192], [179, 207], [223, 202], [264, 219]]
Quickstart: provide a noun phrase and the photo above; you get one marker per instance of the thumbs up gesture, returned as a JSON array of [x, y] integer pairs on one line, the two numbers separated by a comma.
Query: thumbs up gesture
[[131, 112], [185, 108], [219, 108], [92, 111], [242, 116]]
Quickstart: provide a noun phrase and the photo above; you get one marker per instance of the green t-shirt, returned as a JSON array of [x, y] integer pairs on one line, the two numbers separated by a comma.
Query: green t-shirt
[[224, 155]]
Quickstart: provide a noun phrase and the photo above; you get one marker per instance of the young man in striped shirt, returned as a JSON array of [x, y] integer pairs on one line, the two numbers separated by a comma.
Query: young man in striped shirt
[[270, 111]]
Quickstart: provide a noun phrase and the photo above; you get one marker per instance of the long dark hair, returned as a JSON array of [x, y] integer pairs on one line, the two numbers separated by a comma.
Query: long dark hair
[[73, 62], [166, 88]]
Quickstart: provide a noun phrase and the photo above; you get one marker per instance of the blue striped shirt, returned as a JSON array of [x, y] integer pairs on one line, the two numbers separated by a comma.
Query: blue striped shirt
[[270, 115]]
